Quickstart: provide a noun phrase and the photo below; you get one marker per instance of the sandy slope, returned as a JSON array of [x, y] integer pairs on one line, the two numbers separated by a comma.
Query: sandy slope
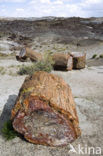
[[87, 89]]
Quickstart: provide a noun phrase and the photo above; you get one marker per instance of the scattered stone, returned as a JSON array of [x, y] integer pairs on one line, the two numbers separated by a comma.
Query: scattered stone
[[45, 111]]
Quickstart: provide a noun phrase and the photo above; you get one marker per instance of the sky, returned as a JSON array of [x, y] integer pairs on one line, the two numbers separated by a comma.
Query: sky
[[60, 8]]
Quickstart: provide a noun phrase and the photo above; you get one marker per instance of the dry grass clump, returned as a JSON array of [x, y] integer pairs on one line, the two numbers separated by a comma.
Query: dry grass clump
[[2, 70], [45, 65]]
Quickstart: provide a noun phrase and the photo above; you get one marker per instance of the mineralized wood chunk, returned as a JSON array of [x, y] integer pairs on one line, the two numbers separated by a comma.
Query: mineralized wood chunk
[[79, 60], [34, 56], [28, 53], [62, 61], [45, 111]]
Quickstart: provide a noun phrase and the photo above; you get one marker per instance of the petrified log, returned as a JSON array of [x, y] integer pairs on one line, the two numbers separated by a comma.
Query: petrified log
[[45, 111], [79, 60], [28, 53], [34, 56], [62, 61]]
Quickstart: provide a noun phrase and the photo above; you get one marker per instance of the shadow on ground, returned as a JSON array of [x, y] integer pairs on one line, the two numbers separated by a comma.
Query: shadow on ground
[[6, 113]]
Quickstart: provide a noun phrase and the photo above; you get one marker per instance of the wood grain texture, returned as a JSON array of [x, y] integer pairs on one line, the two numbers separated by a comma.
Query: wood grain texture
[[52, 92]]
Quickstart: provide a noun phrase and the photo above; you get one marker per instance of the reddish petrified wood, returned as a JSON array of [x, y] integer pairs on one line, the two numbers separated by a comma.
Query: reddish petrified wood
[[45, 112]]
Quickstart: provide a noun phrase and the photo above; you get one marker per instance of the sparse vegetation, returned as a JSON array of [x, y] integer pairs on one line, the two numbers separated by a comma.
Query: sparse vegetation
[[2, 71], [12, 66], [2, 34], [101, 56], [24, 69], [45, 65], [8, 131], [11, 73], [94, 56], [3, 55]]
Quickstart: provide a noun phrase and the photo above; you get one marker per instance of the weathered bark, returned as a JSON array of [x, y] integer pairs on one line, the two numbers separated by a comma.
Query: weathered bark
[[79, 60], [45, 111], [28, 53], [62, 61]]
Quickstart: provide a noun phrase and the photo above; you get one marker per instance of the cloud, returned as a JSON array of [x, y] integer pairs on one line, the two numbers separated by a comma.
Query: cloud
[[93, 1], [19, 9], [3, 10], [12, 1], [56, 8], [58, 2], [45, 1], [66, 8]]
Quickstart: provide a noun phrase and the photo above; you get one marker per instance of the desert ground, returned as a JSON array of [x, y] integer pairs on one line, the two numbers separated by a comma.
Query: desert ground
[[87, 90]]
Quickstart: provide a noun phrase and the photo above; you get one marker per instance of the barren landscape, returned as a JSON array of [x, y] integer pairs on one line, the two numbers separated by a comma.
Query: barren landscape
[[56, 35]]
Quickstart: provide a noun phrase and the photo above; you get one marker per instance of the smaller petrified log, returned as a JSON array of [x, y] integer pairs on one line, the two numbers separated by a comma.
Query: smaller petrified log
[[34, 56], [79, 60], [62, 61], [45, 111], [28, 53]]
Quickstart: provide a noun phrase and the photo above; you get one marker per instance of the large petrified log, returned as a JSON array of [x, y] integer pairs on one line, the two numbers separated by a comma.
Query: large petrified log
[[28, 53], [45, 111], [62, 61], [79, 60]]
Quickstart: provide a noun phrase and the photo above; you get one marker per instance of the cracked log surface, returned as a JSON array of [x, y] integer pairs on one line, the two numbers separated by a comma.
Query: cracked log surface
[[45, 111]]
